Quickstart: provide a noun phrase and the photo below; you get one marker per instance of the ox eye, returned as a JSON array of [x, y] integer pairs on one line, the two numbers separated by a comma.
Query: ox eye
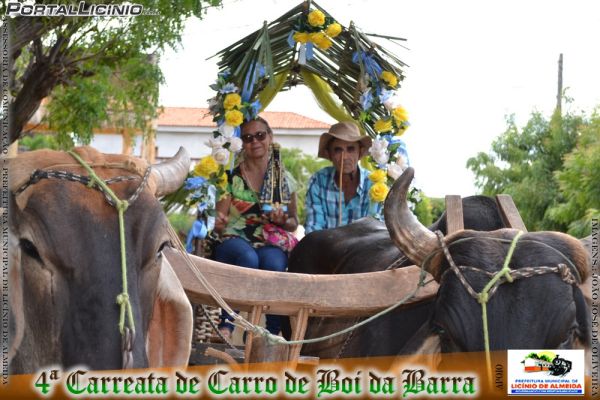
[[162, 247], [438, 330], [30, 249]]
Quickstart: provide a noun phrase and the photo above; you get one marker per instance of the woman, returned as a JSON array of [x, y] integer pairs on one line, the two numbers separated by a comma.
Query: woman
[[258, 213]]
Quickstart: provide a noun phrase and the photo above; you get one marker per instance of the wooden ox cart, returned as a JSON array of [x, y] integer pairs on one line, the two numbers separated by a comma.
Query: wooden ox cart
[[300, 296]]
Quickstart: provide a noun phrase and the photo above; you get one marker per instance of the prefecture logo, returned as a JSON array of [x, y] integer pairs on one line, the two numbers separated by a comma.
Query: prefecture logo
[[544, 372]]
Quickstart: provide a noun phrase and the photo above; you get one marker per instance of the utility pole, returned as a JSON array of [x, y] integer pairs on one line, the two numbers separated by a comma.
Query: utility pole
[[560, 85]]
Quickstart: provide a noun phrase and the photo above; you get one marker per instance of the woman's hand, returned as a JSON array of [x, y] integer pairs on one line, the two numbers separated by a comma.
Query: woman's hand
[[278, 217], [221, 221]]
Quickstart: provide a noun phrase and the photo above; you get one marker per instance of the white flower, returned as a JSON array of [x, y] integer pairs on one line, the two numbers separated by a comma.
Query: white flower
[[391, 102], [215, 143], [380, 157], [226, 130], [379, 146], [394, 171], [402, 161], [221, 156], [235, 144]]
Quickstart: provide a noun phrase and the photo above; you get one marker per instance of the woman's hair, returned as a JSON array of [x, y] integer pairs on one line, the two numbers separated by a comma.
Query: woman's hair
[[259, 119]]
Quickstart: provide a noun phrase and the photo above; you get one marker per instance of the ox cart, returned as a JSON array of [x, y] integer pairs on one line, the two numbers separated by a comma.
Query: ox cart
[[300, 296]]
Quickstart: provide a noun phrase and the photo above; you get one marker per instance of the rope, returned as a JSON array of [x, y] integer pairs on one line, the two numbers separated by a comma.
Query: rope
[[126, 312], [484, 298], [239, 321], [505, 274]]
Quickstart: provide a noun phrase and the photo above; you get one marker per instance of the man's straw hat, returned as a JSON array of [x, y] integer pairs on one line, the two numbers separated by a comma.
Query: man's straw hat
[[347, 131]]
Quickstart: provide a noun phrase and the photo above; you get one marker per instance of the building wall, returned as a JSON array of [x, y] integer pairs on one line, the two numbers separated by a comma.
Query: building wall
[[169, 139], [113, 143]]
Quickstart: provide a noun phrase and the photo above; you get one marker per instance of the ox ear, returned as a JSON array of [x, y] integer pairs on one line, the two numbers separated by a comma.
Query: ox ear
[[169, 339]]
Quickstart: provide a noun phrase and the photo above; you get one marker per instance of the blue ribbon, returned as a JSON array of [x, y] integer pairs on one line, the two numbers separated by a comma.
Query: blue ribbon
[[372, 67], [198, 231], [290, 40], [310, 53]]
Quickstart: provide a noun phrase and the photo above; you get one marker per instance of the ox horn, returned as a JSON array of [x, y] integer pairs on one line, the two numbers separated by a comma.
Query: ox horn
[[414, 239], [169, 175]]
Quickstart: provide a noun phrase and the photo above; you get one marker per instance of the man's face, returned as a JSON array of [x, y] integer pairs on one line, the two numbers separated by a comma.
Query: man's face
[[344, 155]]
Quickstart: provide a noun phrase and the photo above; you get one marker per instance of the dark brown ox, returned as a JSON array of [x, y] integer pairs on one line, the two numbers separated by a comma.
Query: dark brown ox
[[538, 312], [65, 270]]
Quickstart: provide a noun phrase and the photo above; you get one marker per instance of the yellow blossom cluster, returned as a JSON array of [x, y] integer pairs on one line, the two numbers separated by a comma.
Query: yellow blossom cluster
[[379, 175], [389, 78], [378, 192], [383, 125], [231, 101], [205, 167], [322, 38], [234, 117]]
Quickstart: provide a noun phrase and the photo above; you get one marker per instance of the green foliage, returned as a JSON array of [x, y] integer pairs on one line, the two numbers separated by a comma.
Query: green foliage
[[523, 162], [181, 222], [423, 210], [301, 166], [579, 183], [97, 72], [37, 142], [438, 206]]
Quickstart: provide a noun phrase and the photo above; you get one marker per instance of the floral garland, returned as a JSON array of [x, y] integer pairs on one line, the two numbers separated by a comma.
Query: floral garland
[[208, 181], [388, 157], [313, 29]]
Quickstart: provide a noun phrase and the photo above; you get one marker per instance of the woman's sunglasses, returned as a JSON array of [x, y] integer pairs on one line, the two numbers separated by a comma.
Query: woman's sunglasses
[[248, 138]]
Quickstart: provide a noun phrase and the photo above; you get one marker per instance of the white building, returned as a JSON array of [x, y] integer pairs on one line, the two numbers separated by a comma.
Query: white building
[[191, 127]]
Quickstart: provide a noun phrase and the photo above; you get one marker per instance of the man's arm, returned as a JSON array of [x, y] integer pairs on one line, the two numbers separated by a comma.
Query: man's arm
[[314, 206]]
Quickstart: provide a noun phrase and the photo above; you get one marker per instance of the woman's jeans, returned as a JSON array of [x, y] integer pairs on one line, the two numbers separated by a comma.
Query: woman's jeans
[[238, 251]]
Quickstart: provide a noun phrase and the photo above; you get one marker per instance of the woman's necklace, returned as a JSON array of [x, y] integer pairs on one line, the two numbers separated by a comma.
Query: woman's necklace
[[247, 178]]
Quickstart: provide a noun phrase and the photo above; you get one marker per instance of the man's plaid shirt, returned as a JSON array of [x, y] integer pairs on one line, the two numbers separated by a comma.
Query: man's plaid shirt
[[323, 201]]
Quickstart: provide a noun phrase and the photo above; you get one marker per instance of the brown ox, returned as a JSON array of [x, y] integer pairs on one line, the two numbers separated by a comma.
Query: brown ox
[[65, 269]]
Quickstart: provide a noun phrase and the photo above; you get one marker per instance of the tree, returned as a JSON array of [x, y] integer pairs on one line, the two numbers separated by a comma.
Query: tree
[[94, 69], [579, 183], [301, 166], [523, 162]]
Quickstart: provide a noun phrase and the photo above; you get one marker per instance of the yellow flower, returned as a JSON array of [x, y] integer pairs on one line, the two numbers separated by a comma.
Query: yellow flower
[[400, 115], [383, 125], [325, 43], [234, 117], [231, 101], [378, 175], [206, 166], [319, 39], [389, 78], [222, 182], [401, 130], [333, 30], [301, 37], [316, 18], [378, 192]]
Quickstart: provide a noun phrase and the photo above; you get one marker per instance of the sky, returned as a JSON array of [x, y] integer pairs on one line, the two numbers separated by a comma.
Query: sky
[[470, 64]]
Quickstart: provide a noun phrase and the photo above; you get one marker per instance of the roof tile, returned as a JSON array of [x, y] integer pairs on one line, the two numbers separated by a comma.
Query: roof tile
[[188, 116]]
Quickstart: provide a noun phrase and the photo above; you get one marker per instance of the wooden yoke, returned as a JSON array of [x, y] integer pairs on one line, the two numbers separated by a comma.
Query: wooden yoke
[[509, 213]]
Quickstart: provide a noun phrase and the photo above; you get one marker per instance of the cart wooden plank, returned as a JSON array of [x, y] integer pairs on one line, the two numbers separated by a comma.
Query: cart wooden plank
[[285, 293]]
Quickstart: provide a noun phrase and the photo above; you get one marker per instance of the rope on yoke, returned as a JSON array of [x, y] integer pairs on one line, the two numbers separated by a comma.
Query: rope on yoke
[[126, 311], [505, 274]]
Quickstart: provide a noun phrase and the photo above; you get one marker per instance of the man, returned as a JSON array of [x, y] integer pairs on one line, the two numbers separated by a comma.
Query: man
[[344, 146]]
